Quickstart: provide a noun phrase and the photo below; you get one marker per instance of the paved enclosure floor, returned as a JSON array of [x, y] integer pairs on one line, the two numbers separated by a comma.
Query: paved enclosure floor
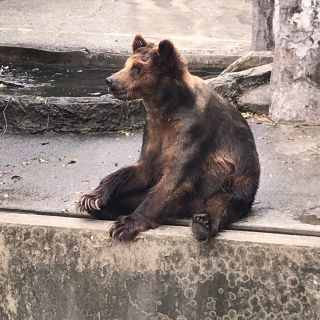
[[48, 172], [216, 26]]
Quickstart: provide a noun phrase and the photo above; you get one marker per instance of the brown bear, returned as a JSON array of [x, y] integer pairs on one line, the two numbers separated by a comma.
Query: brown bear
[[198, 157]]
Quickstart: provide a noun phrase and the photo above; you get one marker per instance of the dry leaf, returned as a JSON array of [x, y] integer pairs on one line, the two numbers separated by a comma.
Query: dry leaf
[[41, 160]]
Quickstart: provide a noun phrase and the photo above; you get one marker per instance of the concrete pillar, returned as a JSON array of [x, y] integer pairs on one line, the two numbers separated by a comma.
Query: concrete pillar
[[262, 27], [296, 69]]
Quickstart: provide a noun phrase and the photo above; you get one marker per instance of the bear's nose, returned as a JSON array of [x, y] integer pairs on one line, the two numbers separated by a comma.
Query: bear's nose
[[109, 81]]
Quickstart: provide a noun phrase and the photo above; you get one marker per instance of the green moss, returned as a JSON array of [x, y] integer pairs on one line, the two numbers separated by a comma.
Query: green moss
[[85, 130]]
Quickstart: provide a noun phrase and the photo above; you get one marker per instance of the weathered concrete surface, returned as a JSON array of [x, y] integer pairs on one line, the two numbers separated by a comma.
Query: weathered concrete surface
[[234, 84], [262, 25], [296, 72], [250, 60], [31, 57], [68, 269], [37, 172], [70, 114], [215, 27], [256, 99]]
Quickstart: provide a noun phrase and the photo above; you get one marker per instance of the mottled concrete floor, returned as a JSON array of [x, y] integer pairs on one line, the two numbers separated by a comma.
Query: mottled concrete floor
[[217, 26], [48, 172]]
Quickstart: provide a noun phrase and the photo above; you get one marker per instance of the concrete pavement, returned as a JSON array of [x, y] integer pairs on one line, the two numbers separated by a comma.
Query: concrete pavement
[[48, 172], [216, 27]]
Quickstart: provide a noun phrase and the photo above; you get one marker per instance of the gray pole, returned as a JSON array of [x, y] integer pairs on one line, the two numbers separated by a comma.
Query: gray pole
[[296, 69]]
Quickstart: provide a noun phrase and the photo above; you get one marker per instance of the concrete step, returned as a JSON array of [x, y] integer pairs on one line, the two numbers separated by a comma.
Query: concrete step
[[63, 268], [83, 115]]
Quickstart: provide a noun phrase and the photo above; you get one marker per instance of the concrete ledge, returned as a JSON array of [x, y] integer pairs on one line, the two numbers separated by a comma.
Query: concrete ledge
[[71, 114], [34, 57], [68, 268], [80, 58]]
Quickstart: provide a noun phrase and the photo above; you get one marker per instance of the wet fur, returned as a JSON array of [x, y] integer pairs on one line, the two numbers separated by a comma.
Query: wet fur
[[198, 158]]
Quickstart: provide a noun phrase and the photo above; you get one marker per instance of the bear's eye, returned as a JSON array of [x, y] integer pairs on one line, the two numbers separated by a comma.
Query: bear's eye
[[136, 71]]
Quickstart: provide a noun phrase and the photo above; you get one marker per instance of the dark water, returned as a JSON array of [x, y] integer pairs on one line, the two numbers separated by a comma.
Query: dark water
[[62, 83]]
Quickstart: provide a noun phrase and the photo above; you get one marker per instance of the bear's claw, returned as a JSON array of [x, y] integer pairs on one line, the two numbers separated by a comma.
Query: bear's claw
[[127, 227], [124, 229], [88, 203]]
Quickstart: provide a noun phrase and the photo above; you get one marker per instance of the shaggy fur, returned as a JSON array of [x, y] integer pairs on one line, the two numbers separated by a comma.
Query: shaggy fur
[[198, 158]]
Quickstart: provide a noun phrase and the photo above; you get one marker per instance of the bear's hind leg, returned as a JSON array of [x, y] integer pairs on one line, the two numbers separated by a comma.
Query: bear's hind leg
[[206, 222], [219, 211]]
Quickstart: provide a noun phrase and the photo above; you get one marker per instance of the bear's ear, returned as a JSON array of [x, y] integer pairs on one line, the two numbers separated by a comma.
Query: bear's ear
[[169, 59], [166, 49], [138, 42]]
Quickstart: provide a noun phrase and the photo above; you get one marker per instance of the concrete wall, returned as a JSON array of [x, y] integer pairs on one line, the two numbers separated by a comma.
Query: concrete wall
[[56, 268]]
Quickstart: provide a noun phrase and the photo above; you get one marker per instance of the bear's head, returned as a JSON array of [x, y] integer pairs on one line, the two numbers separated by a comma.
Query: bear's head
[[149, 69]]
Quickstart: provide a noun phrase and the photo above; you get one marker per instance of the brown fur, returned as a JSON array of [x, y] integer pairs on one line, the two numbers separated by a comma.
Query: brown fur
[[198, 156]]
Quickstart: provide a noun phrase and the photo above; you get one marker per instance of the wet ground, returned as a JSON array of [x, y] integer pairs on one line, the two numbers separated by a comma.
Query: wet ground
[[60, 83], [48, 172]]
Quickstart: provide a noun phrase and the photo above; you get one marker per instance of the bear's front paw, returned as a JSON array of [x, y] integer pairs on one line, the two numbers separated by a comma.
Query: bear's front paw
[[90, 203], [127, 227]]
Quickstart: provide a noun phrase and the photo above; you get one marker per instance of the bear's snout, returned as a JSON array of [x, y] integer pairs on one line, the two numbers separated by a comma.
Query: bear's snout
[[115, 86], [110, 82]]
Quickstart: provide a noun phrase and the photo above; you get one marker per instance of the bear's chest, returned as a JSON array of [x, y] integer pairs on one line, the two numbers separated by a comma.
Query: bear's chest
[[162, 136]]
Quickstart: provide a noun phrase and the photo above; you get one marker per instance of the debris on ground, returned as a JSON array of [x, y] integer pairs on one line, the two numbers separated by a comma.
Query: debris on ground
[[257, 117], [41, 160], [16, 178], [72, 161]]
